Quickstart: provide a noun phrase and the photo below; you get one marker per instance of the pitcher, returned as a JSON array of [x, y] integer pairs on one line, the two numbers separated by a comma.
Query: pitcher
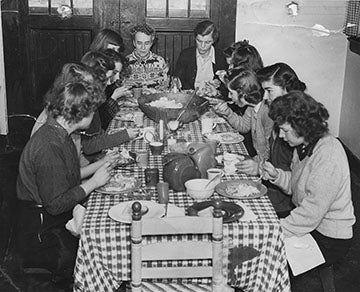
[[203, 156]]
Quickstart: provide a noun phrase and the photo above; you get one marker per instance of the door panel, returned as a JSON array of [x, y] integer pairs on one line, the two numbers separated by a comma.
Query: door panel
[[49, 51]]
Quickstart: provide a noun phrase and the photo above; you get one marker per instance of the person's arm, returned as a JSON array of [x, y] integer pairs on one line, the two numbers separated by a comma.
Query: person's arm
[[241, 123], [96, 143], [90, 169], [324, 183], [108, 111]]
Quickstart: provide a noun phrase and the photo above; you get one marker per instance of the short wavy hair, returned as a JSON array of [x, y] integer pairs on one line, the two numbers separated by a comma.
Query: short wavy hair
[[206, 27], [74, 101], [305, 115], [104, 38], [116, 57], [144, 28], [247, 86], [282, 75]]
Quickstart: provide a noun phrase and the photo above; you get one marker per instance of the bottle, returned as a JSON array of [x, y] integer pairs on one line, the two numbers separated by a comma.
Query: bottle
[[161, 130]]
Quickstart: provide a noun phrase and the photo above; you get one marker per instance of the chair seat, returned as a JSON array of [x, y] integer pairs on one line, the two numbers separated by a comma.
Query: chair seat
[[174, 287]]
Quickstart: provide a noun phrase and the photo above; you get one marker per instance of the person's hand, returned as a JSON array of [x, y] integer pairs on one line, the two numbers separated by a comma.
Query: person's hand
[[222, 109], [211, 88], [102, 175], [221, 74], [269, 171], [110, 157], [133, 133], [122, 91], [248, 166]]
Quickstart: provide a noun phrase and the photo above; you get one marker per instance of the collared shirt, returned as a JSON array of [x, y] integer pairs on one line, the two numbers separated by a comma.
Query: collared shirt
[[204, 68], [49, 170], [257, 107]]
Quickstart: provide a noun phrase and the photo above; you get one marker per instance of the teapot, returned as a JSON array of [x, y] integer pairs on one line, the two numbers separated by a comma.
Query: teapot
[[178, 168], [203, 155]]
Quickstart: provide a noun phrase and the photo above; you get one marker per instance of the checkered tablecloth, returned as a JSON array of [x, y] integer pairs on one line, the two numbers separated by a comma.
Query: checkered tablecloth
[[103, 259]]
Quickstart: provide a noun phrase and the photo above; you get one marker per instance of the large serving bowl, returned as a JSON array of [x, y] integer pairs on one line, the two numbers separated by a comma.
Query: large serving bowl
[[195, 109], [198, 189]]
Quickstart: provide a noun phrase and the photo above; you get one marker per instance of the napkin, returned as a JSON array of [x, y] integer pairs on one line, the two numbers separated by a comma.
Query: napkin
[[174, 211], [74, 225], [249, 215], [302, 253]]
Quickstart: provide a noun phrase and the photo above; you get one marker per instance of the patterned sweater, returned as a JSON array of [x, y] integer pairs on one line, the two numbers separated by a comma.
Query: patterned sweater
[[150, 71], [320, 189]]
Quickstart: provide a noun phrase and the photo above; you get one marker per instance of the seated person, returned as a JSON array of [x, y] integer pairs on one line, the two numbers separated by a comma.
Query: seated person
[[114, 90], [245, 89], [197, 65], [146, 68], [107, 39], [319, 179], [49, 182]]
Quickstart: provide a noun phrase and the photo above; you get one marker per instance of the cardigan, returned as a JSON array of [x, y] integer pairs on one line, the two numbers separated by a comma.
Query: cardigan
[[260, 125], [320, 189], [186, 68]]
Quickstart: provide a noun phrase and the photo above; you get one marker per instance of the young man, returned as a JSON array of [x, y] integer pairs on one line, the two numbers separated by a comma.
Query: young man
[[198, 65], [146, 68]]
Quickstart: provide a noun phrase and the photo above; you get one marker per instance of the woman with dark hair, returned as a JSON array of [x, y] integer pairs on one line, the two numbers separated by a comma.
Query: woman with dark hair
[[319, 180], [197, 65], [107, 39], [49, 182], [94, 139], [246, 90]]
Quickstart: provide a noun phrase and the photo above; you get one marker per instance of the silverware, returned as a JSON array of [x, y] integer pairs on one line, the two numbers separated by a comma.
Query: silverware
[[166, 210]]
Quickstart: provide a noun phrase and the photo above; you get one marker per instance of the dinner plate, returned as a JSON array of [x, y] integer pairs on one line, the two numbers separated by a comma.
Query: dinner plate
[[231, 211], [123, 211], [224, 189], [225, 137], [125, 184]]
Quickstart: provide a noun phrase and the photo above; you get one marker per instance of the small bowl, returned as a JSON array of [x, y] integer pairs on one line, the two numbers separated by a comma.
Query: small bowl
[[195, 188], [156, 148]]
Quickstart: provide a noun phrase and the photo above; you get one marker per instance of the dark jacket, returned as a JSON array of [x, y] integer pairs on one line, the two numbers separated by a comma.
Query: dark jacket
[[186, 68]]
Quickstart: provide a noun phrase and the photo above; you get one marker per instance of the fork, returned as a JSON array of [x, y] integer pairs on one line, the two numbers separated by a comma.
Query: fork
[[166, 210]]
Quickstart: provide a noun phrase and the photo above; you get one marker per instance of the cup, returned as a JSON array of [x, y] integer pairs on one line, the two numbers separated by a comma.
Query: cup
[[163, 192], [142, 157], [207, 125], [137, 92], [139, 119], [230, 159], [212, 172], [151, 177], [156, 148]]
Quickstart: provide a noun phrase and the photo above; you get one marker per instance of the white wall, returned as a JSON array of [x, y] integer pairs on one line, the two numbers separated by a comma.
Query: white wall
[[3, 107], [349, 122], [318, 61]]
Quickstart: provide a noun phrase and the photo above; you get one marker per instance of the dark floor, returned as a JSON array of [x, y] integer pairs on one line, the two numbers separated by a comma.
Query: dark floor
[[347, 273]]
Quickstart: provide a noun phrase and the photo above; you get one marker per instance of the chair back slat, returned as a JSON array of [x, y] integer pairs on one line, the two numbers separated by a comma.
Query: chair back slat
[[176, 272], [177, 225], [169, 250]]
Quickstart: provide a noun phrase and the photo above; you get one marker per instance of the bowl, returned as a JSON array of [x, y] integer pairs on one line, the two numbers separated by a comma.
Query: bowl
[[195, 188], [195, 109]]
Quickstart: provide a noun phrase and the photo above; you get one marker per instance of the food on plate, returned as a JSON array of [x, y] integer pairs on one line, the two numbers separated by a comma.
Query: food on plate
[[242, 190], [227, 137], [124, 156], [164, 102], [120, 182]]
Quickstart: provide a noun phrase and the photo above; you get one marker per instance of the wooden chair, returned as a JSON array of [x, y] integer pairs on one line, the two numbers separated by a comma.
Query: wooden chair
[[184, 250]]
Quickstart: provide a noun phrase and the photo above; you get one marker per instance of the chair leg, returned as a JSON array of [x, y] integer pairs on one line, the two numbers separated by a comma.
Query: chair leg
[[327, 278]]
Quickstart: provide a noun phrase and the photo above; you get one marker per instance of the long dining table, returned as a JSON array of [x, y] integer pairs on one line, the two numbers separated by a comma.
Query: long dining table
[[103, 258]]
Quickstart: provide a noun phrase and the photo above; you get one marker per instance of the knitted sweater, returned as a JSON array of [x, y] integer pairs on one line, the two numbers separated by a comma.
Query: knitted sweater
[[320, 188]]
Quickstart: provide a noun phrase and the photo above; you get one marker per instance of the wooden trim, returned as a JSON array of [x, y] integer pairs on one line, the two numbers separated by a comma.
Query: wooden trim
[[354, 161]]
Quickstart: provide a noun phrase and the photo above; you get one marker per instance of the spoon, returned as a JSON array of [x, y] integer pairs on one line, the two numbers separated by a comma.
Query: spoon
[[213, 179]]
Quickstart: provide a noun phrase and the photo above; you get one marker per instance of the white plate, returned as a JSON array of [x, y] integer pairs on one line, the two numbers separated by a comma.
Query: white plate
[[122, 212], [225, 137]]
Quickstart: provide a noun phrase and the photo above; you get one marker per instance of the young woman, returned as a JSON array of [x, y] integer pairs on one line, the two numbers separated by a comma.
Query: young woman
[[49, 182], [107, 39], [114, 90], [94, 139], [244, 89], [319, 180]]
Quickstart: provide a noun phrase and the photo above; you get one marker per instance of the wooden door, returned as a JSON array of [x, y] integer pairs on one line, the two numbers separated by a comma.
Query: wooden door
[[174, 21]]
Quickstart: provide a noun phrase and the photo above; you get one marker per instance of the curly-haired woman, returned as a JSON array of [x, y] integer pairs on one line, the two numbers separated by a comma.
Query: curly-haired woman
[[49, 182], [319, 180]]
